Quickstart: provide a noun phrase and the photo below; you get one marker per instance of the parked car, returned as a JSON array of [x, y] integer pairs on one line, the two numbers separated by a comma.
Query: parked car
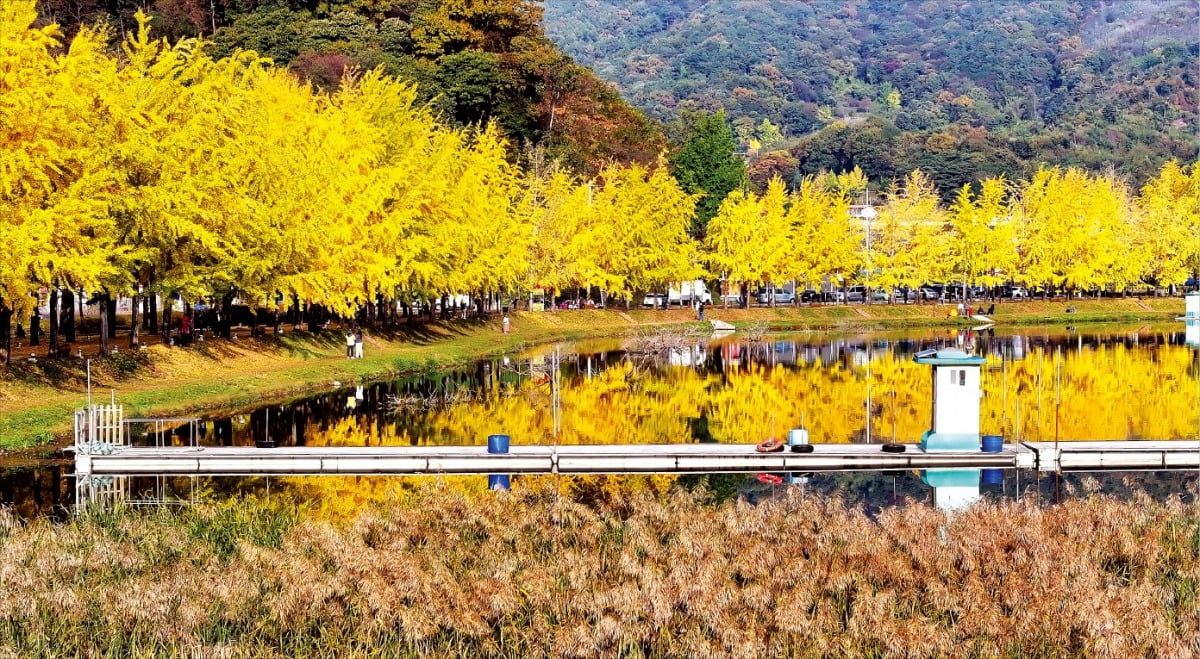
[[856, 293], [832, 297], [732, 298], [654, 300], [779, 296], [1015, 292], [810, 296]]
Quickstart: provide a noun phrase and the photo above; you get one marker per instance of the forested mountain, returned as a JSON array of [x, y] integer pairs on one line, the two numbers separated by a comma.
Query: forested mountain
[[959, 88], [473, 60]]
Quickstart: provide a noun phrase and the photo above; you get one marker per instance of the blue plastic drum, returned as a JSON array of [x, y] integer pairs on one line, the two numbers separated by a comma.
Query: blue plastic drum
[[498, 443]]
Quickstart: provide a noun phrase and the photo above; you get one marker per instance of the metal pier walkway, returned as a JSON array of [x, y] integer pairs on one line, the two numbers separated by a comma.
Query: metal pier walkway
[[623, 459]]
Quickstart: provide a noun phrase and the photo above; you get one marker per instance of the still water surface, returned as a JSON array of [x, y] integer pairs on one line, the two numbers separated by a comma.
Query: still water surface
[[1103, 382]]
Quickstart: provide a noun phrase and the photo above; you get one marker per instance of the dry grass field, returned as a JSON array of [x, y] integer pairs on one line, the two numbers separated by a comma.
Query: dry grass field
[[440, 572]]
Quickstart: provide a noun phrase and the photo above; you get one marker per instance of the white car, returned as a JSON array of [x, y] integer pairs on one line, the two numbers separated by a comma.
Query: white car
[[654, 300]]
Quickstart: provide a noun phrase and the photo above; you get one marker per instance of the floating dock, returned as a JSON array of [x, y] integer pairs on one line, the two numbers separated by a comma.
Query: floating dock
[[623, 459]]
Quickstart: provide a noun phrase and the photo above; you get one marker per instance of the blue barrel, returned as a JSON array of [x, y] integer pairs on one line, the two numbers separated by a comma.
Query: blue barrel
[[498, 443], [993, 443], [992, 476]]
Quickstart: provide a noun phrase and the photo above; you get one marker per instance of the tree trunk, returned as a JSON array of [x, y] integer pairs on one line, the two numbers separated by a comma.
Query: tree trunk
[[6, 331], [53, 318], [314, 325], [225, 316], [35, 327], [166, 319], [102, 306], [66, 321], [152, 313], [112, 316], [133, 321]]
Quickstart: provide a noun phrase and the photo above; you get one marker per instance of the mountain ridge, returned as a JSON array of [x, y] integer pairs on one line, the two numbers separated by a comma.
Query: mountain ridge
[[1107, 84]]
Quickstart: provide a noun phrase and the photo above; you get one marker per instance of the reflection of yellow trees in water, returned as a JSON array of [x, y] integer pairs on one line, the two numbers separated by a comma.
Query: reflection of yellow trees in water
[[1108, 392]]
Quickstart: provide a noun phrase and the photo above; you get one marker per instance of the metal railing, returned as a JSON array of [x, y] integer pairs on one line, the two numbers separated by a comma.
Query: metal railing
[[160, 432]]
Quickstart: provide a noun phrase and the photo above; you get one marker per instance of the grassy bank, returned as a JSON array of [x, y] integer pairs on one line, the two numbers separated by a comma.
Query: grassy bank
[[36, 399], [442, 573]]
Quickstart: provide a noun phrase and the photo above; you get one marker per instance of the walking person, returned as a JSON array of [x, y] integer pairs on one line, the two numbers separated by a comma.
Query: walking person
[[358, 344], [350, 344]]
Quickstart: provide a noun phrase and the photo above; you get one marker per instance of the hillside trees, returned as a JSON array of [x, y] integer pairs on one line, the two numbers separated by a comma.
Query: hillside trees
[[1086, 84], [474, 62]]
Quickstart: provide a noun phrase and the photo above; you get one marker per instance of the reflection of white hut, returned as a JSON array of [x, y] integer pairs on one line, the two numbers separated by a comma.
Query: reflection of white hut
[[956, 394], [687, 356], [953, 489]]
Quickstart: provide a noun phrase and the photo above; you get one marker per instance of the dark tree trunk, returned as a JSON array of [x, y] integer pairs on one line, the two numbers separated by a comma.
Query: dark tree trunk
[[275, 320], [112, 316], [225, 320], [314, 324], [6, 331], [35, 328], [133, 321], [105, 322], [53, 318], [166, 319], [145, 312], [152, 313], [66, 305]]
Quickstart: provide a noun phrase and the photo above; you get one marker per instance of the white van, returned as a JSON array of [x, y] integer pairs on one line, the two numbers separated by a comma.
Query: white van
[[689, 292]]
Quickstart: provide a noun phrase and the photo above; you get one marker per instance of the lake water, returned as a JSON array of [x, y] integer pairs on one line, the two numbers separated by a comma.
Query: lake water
[[1040, 383]]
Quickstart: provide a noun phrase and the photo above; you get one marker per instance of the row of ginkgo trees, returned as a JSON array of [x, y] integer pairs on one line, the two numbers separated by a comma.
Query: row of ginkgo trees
[[1062, 229], [162, 173]]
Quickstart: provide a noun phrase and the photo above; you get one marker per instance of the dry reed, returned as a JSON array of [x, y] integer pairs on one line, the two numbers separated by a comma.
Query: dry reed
[[531, 573]]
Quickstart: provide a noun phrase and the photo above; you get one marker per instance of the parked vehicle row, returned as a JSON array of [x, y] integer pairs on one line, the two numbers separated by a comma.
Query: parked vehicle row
[[688, 293]]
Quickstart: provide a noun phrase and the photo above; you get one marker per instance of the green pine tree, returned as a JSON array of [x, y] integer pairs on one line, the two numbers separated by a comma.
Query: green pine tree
[[708, 165]]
